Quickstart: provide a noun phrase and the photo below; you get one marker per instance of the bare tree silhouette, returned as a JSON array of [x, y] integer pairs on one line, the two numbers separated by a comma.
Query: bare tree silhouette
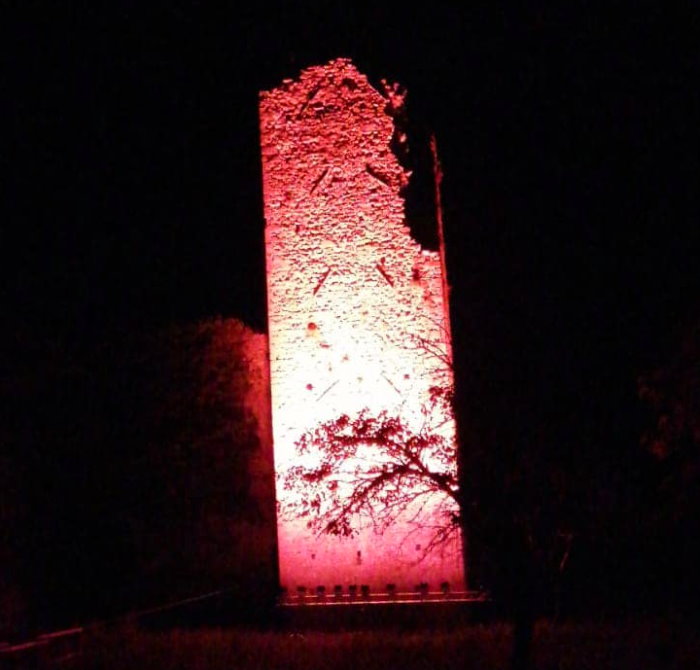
[[372, 469]]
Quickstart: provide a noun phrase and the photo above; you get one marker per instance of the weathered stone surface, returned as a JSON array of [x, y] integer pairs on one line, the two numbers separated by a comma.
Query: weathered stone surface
[[357, 315]]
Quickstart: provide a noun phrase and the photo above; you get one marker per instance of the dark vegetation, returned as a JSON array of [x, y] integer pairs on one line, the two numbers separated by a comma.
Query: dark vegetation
[[619, 645], [136, 472]]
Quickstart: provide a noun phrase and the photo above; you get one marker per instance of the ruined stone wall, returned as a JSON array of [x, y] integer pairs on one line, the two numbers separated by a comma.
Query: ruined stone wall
[[356, 314]]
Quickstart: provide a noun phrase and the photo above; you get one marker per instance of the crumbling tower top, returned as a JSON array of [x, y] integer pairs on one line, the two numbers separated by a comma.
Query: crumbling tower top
[[342, 129]]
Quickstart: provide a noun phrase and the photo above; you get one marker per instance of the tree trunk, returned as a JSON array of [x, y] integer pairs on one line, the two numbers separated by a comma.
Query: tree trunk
[[523, 632], [524, 593]]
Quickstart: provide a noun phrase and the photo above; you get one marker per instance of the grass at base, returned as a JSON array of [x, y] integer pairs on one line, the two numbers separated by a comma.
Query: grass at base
[[640, 645]]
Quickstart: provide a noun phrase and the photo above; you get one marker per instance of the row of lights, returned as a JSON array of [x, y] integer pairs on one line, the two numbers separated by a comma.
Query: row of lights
[[363, 591]]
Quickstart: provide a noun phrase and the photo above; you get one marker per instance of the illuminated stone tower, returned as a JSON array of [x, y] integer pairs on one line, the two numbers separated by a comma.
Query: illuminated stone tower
[[357, 311]]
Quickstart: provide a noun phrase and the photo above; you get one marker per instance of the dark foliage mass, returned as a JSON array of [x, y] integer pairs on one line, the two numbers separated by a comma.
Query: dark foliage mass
[[672, 394], [134, 473], [649, 643]]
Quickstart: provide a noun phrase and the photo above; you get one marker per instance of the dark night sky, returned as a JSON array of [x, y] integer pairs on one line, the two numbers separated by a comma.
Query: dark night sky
[[569, 142]]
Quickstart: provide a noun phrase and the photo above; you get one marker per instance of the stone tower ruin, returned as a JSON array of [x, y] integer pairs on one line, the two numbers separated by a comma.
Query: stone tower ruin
[[357, 311]]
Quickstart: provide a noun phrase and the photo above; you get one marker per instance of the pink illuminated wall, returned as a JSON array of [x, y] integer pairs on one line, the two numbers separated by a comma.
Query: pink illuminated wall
[[357, 315]]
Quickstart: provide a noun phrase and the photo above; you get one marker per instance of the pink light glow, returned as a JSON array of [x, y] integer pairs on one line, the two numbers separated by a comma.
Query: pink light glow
[[357, 315]]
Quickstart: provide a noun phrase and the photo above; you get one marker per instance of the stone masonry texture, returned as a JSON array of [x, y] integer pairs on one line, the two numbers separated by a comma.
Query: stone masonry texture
[[356, 311]]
